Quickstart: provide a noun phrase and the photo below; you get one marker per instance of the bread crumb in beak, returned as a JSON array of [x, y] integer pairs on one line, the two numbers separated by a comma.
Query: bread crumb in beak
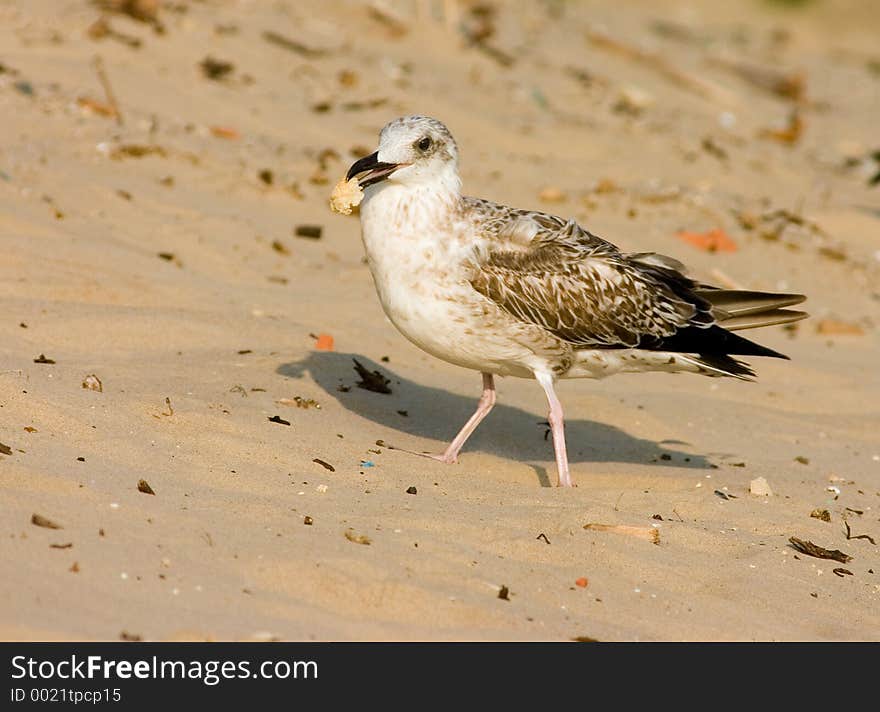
[[346, 195]]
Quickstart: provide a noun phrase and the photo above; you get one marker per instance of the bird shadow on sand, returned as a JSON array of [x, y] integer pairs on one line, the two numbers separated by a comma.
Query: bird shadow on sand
[[426, 412]]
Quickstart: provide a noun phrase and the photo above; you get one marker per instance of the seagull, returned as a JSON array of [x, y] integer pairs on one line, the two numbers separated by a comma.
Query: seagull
[[512, 292]]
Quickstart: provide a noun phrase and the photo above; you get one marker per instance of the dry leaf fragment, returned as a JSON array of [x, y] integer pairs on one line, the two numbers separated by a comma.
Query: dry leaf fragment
[[822, 514], [44, 522], [647, 533], [144, 486], [357, 538]]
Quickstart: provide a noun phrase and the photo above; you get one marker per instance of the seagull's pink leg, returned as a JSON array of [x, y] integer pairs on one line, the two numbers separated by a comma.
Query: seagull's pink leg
[[487, 400], [557, 427]]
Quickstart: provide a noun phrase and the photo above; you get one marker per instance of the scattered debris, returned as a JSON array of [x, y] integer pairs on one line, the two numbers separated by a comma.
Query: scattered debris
[[647, 533], [137, 150], [811, 549], [723, 495], [98, 65], [170, 409], [216, 69], [478, 27], [130, 637], [308, 521], [633, 101], [788, 134], [74, 567], [383, 14], [802, 460], [371, 380], [411, 490], [97, 107], [299, 402], [822, 514], [293, 46], [849, 534], [141, 10], [552, 194], [5, 449], [325, 465], [278, 419], [69, 545], [787, 85], [280, 247], [357, 538], [144, 486], [312, 232], [101, 29], [226, 132], [543, 536], [324, 342], [41, 521], [42, 359], [841, 572], [760, 487], [93, 383], [833, 327], [582, 582], [713, 241], [504, 593]]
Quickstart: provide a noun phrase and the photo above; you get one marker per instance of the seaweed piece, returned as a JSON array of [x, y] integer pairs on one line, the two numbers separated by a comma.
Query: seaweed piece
[[849, 534]]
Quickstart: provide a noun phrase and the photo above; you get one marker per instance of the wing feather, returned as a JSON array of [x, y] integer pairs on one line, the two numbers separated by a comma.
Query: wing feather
[[583, 290]]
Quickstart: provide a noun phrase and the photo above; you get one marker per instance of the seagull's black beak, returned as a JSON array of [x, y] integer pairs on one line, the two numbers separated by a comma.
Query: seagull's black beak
[[371, 170]]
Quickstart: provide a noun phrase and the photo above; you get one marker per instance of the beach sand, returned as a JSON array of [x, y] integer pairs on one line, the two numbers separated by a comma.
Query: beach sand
[[160, 255]]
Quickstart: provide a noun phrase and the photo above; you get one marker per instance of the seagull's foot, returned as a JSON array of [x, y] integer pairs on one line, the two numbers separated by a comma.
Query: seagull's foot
[[443, 457]]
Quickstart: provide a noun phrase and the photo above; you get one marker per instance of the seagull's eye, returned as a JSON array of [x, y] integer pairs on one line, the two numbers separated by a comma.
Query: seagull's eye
[[424, 144]]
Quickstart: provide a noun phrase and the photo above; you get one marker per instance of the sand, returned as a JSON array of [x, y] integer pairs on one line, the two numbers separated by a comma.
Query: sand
[[160, 255]]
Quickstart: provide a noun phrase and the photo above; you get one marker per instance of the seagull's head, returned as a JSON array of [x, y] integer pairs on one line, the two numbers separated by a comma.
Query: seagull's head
[[415, 151]]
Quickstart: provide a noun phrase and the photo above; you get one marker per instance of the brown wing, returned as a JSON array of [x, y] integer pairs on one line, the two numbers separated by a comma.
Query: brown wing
[[583, 290]]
